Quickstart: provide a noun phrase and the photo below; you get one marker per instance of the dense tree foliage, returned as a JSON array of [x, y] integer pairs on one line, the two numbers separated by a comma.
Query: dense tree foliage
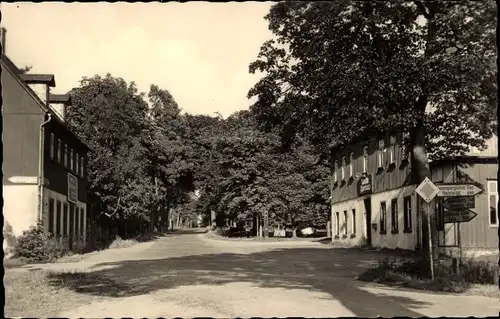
[[149, 163], [342, 70]]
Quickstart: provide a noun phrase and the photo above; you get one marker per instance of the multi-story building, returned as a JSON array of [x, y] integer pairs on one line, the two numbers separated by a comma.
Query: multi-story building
[[44, 162], [374, 201]]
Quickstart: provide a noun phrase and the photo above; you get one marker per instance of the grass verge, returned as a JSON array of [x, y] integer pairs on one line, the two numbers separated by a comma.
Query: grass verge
[[29, 294], [476, 277]]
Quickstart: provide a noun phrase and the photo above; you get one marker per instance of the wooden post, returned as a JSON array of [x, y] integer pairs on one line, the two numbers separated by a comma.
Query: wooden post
[[459, 239], [329, 229], [427, 208]]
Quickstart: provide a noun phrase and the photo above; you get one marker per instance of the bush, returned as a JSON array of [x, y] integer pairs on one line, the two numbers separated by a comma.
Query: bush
[[479, 272], [34, 245], [9, 238]]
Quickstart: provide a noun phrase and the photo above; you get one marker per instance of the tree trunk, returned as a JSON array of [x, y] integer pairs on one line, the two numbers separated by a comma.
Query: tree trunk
[[420, 169], [294, 232]]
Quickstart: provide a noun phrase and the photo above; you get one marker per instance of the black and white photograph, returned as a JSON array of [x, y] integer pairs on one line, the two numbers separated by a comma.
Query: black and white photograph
[[250, 159]]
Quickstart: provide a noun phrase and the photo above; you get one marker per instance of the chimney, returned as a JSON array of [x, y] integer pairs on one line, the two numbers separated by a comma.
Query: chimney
[[3, 32]]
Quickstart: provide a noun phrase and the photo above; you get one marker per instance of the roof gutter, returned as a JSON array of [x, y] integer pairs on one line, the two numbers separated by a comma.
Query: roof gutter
[[41, 163]]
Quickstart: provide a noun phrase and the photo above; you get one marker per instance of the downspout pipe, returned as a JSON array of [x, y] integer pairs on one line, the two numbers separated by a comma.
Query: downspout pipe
[[41, 163]]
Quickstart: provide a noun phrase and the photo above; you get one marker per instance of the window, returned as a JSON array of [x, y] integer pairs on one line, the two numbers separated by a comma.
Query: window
[[383, 218], [51, 216], [82, 166], [392, 150], [345, 222], [59, 150], [381, 150], [52, 145], [365, 159], [65, 156], [351, 165], [77, 164], [71, 219], [407, 214], [337, 223], [394, 216], [342, 169], [65, 220], [71, 167], [493, 202], [76, 222], [58, 218], [82, 221], [335, 169], [353, 221]]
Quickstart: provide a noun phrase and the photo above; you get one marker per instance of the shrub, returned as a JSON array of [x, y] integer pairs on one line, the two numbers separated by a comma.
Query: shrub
[[479, 272], [9, 238], [32, 244]]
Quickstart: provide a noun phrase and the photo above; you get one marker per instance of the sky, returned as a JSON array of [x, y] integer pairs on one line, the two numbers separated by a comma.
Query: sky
[[199, 51]]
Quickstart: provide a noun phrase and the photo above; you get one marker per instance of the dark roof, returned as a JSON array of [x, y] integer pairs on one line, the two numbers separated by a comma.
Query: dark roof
[[60, 98], [48, 79], [14, 69]]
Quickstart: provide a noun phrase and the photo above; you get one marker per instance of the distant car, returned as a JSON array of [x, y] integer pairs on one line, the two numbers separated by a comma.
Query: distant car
[[308, 231]]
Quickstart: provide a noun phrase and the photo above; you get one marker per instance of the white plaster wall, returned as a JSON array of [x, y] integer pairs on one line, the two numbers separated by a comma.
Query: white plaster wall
[[352, 239], [20, 208], [400, 240]]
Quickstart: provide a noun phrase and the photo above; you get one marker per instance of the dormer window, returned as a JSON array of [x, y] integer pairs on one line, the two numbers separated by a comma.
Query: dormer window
[[392, 150], [351, 165], [365, 159], [335, 170], [342, 169], [380, 155]]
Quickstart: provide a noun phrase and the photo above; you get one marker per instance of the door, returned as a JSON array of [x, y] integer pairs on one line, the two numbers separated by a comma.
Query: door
[[368, 220]]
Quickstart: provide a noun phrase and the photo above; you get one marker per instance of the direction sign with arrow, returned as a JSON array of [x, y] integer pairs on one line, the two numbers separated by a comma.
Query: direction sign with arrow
[[457, 190], [458, 203], [459, 216]]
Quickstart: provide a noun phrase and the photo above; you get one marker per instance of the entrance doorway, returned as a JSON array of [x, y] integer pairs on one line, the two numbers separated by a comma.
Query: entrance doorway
[[368, 220]]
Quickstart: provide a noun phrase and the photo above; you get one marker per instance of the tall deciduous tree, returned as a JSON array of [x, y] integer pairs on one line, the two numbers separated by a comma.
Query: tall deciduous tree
[[341, 70], [110, 116]]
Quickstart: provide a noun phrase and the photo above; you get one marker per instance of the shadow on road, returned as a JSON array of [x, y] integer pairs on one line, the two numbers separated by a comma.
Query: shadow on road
[[309, 269]]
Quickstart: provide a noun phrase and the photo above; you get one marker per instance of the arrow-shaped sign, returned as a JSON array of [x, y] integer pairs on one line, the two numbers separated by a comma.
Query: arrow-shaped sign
[[460, 216], [457, 190], [459, 203]]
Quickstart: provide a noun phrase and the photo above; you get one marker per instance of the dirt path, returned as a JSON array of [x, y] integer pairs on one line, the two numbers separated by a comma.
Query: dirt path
[[188, 275]]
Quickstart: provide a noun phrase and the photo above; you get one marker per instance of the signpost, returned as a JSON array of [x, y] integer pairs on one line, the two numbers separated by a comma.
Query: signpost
[[457, 203], [428, 190], [457, 190], [459, 216]]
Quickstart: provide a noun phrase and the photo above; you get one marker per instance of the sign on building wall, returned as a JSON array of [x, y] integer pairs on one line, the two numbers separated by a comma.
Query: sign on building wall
[[72, 188], [365, 185]]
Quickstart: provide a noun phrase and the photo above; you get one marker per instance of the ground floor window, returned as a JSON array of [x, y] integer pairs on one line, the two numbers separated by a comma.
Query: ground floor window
[[65, 220], [345, 222], [51, 217], [383, 218], [58, 217], [353, 222], [337, 223], [493, 203], [407, 214], [394, 216]]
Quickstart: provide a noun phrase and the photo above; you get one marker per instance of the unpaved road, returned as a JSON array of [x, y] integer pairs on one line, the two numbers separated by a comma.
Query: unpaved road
[[188, 275]]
